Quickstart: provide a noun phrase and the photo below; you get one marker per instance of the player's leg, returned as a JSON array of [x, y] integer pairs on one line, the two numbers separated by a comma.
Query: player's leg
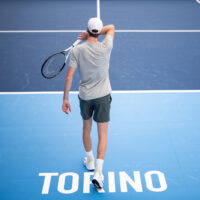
[[102, 140], [87, 142], [101, 151], [102, 117], [86, 108]]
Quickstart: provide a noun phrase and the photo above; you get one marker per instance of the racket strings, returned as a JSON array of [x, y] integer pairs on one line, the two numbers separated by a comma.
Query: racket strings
[[53, 65]]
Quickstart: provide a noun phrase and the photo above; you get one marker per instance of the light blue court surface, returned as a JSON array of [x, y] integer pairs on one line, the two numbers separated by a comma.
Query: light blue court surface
[[153, 148], [139, 60]]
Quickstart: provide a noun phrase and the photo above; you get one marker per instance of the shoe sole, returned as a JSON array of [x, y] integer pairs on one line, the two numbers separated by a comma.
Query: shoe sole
[[96, 184], [90, 169]]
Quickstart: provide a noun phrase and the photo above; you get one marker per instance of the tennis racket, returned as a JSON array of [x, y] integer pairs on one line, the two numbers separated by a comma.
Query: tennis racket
[[55, 63]]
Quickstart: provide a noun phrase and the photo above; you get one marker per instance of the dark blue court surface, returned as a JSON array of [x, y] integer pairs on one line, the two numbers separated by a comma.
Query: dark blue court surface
[[139, 60], [153, 150], [153, 141]]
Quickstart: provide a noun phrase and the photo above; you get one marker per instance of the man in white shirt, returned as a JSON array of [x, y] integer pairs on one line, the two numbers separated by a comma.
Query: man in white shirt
[[92, 60]]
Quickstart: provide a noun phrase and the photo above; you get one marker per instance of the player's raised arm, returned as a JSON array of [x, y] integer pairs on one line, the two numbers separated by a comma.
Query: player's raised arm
[[108, 30]]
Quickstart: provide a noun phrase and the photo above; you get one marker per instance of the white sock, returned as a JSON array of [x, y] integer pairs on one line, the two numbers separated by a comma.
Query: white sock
[[90, 155], [99, 165]]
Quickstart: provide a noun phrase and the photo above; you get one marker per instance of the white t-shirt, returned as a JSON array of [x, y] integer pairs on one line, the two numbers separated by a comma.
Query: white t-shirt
[[92, 61]]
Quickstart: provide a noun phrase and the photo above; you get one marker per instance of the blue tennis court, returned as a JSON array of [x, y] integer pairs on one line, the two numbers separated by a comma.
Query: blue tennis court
[[153, 139]]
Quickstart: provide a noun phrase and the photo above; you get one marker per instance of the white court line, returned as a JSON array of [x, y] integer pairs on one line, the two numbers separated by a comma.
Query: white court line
[[114, 92], [118, 31], [158, 31], [41, 31], [98, 9]]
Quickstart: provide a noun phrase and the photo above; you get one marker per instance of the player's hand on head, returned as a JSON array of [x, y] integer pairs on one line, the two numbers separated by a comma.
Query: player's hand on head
[[83, 36], [66, 107]]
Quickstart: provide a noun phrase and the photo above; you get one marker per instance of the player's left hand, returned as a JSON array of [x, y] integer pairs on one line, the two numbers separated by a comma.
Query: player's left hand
[[83, 36]]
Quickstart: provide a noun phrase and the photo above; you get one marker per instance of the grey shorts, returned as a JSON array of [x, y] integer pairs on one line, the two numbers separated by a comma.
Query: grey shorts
[[98, 108]]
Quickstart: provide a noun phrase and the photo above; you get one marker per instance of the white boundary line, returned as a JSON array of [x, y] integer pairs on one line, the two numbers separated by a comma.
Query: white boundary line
[[41, 31], [114, 92], [98, 9], [118, 31], [158, 31]]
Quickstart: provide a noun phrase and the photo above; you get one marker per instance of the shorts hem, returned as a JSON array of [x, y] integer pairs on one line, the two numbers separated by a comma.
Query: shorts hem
[[86, 118], [101, 121]]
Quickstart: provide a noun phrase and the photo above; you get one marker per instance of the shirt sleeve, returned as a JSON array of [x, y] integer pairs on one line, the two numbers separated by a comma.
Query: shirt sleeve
[[108, 41], [73, 59]]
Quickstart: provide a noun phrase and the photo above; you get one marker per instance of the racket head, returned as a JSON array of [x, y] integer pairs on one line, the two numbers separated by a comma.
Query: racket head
[[53, 65]]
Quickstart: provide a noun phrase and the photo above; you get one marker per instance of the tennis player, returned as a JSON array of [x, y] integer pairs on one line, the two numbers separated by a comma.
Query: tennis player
[[92, 60]]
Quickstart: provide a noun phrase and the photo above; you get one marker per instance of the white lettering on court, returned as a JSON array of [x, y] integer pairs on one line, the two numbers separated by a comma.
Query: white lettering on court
[[124, 180], [74, 186], [149, 182], [87, 182], [135, 184], [111, 182], [47, 181]]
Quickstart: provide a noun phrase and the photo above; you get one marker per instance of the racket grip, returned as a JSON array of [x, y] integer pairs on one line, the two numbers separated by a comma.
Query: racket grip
[[75, 43]]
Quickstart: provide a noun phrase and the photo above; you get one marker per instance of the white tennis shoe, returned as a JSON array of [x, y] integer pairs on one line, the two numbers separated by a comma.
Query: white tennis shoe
[[98, 179], [89, 164]]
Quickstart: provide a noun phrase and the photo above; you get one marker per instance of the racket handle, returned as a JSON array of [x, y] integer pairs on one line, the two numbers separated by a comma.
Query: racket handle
[[75, 43]]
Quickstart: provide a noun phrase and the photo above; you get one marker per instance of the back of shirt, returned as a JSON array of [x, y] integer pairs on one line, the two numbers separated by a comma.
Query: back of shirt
[[92, 60]]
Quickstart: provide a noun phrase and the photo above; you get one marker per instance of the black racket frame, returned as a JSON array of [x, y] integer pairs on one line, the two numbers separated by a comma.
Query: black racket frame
[[43, 65]]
